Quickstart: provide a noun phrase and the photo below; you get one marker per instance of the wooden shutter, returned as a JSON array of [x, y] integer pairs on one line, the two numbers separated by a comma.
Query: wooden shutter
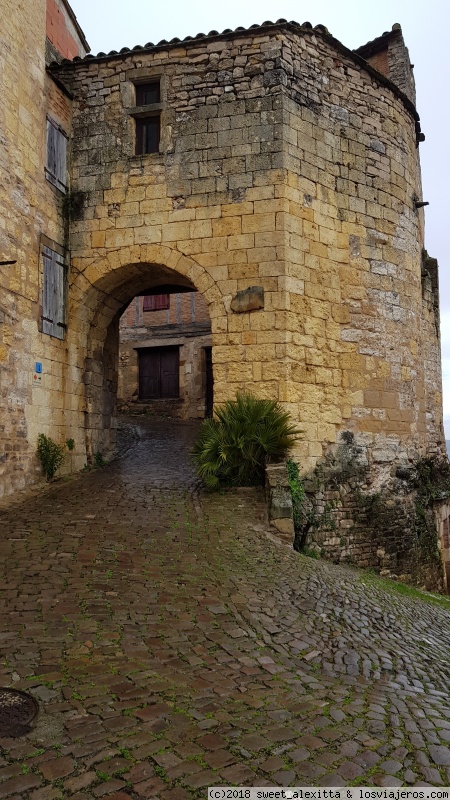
[[54, 294], [156, 302], [56, 166]]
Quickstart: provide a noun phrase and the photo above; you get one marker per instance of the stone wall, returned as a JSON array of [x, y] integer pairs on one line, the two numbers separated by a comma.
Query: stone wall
[[281, 164], [28, 208], [31, 216], [399, 529], [389, 55]]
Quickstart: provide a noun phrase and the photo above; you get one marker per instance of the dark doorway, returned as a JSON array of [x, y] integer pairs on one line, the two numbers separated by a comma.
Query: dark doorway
[[209, 382], [159, 372]]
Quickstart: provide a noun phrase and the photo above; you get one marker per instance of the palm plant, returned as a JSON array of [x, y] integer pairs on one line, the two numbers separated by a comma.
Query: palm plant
[[234, 447]]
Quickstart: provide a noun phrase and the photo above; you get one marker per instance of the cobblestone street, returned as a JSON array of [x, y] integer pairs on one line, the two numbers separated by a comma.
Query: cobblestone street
[[173, 643]]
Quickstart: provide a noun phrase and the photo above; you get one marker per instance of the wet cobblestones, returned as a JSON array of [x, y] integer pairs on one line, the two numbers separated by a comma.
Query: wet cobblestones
[[173, 643]]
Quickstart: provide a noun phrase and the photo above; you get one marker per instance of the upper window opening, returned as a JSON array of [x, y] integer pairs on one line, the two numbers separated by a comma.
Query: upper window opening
[[148, 93], [156, 302], [56, 162]]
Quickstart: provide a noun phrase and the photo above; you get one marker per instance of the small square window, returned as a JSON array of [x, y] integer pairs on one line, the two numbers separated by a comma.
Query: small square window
[[148, 132], [148, 93]]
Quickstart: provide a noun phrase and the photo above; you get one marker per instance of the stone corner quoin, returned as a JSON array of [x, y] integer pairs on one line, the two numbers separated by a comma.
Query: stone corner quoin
[[284, 163]]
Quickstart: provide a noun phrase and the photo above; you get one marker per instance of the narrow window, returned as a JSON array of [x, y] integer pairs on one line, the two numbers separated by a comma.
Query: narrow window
[[54, 294], [156, 302], [148, 93], [147, 114], [148, 132], [56, 162]]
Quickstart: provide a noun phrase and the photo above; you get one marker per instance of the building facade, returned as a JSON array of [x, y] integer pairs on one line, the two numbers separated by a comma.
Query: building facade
[[32, 224], [165, 355], [276, 173]]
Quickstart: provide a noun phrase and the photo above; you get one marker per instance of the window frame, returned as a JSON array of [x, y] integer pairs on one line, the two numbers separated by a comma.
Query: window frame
[[56, 160], [141, 123], [140, 87], [142, 113]]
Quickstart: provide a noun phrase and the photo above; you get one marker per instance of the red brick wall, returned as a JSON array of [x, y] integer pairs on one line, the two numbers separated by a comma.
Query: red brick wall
[[185, 307], [379, 61], [58, 105], [59, 31]]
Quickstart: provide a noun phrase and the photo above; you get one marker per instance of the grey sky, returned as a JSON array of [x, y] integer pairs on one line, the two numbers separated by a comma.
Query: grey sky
[[112, 24]]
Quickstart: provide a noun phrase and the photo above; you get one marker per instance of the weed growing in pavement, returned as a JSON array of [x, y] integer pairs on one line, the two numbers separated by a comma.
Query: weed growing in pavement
[[310, 552], [161, 773], [396, 587], [99, 461], [362, 780], [125, 753]]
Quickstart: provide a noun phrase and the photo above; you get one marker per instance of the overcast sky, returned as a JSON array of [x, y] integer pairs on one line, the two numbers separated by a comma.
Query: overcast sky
[[112, 24]]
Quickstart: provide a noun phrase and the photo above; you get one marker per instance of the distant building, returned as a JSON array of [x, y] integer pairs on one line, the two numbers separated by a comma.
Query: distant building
[[165, 354]]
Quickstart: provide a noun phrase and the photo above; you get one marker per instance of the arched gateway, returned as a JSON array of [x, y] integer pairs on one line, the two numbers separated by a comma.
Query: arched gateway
[[98, 295]]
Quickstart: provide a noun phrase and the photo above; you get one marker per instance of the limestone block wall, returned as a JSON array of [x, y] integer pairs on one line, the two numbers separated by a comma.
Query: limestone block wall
[[287, 162], [30, 216]]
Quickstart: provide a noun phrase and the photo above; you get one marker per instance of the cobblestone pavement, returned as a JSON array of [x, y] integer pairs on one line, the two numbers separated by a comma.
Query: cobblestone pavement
[[173, 644]]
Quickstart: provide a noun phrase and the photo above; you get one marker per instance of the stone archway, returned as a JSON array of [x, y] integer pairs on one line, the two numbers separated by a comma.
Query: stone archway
[[98, 297]]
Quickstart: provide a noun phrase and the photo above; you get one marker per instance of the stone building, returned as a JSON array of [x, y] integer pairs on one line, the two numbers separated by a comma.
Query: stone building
[[33, 229], [165, 355], [270, 169]]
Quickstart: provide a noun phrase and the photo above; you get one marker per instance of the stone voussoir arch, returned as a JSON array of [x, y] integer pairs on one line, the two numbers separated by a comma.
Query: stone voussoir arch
[[115, 275], [99, 292]]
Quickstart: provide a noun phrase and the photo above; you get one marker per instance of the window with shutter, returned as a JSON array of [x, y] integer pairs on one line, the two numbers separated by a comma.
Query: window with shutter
[[56, 166], [156, 302], [54, 294]]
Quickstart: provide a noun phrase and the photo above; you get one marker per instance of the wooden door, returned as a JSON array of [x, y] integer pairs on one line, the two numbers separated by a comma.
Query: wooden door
[[209, 382], [159, 373]]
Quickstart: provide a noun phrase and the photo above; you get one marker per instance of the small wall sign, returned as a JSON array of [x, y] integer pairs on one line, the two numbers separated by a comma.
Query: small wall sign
[[37, 377]]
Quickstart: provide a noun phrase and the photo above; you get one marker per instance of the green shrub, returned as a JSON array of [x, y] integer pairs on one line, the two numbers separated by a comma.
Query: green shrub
[[234, 447], [50, 454]]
